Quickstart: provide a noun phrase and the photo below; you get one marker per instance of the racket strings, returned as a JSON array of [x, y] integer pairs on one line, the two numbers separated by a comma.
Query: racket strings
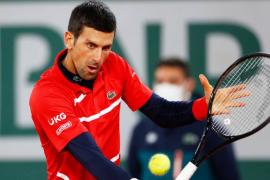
[[246, 125], [227, 122], [231, 80], [242, 125], [252, 74], [234, 75], [250, 124]]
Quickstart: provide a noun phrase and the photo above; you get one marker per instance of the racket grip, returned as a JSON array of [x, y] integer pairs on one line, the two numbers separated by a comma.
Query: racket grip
[[187, 172]]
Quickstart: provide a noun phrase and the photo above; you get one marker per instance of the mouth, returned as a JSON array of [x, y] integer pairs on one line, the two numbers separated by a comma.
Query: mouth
[[92, 69]]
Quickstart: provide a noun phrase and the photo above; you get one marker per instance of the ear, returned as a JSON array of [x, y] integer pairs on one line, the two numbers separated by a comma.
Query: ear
[[69, 40], [191, 84]]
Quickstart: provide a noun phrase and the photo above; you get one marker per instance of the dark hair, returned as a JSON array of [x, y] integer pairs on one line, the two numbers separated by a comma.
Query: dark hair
[[94, 14], [174, 62]]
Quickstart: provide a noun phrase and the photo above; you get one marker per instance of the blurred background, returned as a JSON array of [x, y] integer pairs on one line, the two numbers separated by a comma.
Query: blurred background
[[209, 34]]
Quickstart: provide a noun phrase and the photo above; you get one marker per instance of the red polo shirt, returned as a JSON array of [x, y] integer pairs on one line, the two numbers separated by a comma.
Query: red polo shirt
[[61, 110]]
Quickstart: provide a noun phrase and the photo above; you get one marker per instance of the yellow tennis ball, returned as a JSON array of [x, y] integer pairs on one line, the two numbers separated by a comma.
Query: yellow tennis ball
[[159, 164]]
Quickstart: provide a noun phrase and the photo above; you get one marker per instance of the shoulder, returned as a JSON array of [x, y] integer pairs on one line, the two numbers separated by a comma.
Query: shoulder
[[50, 83], [46, 92], [116, 67], [114, 57], [44, 88], [115, 60]]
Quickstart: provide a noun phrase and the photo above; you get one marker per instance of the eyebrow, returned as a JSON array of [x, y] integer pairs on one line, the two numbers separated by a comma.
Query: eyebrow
[[105, 46]]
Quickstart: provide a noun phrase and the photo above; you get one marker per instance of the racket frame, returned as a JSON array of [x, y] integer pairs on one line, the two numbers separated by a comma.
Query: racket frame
[[197, 159]]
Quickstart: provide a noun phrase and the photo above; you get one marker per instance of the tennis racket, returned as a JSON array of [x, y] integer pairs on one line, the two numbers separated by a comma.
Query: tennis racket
[[238, 107]]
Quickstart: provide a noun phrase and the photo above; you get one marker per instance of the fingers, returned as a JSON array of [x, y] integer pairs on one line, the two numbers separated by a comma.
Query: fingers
[[225, 98], [228, 100], [235, 104], [233, 92], [225, 101], [236, 88], [220, 111], [240, 94], [206, 87], [205, 83]]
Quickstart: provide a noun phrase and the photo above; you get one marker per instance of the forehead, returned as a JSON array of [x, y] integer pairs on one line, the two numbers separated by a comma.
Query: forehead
[[169, 74], [170, 71], [96, 36]]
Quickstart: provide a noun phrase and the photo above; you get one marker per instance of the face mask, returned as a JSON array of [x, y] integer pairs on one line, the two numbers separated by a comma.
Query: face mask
[[172, 92]]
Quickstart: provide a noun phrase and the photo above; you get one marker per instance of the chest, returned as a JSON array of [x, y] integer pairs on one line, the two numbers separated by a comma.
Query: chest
[[100, 104]]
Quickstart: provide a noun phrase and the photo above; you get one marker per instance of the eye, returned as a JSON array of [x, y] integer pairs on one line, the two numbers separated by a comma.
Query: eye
[[90, 45], [106, 48], [174, 81]]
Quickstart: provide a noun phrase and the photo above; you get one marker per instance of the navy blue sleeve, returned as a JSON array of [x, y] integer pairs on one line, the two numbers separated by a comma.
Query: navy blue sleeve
[[85, 150], [168, 114]]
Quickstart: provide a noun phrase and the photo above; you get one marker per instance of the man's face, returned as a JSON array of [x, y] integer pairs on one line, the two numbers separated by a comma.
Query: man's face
[[171, 75], [173, 84], [89, 51]]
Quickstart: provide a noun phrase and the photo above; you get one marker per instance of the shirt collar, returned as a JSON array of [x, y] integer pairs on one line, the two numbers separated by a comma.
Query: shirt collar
[[61, 77]]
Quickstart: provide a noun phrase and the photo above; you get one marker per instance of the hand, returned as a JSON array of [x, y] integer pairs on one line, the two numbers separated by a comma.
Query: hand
[[224, 97], [207, 87]]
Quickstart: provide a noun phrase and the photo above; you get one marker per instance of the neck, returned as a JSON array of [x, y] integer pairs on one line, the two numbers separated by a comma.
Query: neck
[[68, 69], [68, 64]]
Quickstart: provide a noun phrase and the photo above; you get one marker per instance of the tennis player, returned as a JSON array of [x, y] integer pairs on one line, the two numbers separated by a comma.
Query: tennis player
[[75, 105]]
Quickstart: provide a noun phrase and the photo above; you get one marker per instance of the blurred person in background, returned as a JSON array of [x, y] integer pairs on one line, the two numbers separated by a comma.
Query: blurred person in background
[[173, 82]]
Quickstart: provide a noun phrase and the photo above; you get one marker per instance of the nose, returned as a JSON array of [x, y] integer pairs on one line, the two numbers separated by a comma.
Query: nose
[[97, 54]]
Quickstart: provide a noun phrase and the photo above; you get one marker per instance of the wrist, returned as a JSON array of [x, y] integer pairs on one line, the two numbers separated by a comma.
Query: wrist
[[200, 109]]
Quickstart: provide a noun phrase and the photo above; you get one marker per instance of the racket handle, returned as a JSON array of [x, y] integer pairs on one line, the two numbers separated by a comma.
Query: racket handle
[[187, 172]]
